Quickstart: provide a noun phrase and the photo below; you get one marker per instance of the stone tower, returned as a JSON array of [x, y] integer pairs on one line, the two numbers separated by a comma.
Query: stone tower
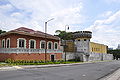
[[82, 41]]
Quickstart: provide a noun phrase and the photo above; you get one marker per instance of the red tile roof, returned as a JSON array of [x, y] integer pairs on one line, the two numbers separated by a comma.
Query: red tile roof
[[24, 29], [30, 32]]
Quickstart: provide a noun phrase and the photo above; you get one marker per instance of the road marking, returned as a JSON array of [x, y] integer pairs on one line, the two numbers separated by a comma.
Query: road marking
[[83, 75]]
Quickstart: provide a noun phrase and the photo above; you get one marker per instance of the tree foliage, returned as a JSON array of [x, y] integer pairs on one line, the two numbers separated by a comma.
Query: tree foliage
[[116, 53], [64, 35], [1, 31]]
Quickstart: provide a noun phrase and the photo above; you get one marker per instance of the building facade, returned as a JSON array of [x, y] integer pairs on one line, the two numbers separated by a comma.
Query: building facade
[[27, 44], [98, 48], [87, 50], [82, 41]]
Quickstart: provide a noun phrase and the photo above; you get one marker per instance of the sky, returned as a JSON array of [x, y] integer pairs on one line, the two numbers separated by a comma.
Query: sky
[[102, 17]]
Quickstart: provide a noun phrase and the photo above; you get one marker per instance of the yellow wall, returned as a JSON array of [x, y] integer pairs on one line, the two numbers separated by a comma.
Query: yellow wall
[[98, 48], [70, 46]]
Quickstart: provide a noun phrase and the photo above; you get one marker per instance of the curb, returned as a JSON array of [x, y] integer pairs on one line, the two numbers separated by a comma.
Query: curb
[[59, 65], [10, 68], [53, 65], [113, 76], [38, 66]]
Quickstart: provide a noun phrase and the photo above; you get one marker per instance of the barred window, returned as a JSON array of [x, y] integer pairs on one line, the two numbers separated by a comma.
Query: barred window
[[21, 43], [32, 44], [49, 45], [42, 44]]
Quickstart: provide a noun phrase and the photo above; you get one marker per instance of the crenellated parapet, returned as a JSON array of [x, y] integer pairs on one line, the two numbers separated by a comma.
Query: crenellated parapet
[[82, 34]]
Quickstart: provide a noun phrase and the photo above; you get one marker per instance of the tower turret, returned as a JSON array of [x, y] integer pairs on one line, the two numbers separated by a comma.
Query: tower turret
[[82, 40]]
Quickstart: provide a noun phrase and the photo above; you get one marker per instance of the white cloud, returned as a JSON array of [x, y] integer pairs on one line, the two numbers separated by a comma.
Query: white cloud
[[6, 8], [107, 31], [106, 14], [6, 22], [69, 15], [33, 14], [17, 15]]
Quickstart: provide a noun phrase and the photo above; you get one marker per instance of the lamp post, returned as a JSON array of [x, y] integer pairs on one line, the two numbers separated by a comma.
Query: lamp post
[[46, 38], [65, 41]]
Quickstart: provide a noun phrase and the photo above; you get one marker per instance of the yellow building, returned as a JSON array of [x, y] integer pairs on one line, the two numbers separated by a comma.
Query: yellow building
[[70, 46], [82, 44], [98, 48], [83, 49]]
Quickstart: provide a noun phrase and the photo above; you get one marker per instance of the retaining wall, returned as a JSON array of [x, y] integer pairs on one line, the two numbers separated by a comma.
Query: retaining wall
[[91, 57]]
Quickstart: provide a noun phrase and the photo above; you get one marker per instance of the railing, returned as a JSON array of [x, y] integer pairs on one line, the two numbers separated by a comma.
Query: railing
[[21, 50]]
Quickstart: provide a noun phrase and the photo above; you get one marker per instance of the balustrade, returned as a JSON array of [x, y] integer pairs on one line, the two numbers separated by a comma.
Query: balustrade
[[22, 50]]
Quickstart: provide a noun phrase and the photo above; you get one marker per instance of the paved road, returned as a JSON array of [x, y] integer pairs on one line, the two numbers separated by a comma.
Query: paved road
[[90, 71]]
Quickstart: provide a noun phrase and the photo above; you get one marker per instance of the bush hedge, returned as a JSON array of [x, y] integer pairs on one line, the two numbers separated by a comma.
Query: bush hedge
[[36, 62]]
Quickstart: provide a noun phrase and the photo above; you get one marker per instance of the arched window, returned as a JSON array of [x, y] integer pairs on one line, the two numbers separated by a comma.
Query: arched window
[[3, 43], [8, 43], [21, 43], [42, 44], [50, 45], [32, 43], [55, 45]]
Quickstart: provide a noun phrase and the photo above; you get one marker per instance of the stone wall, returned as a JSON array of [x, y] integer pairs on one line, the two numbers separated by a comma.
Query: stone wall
[[69, 55], [91, 57], [108, 57], [95, 56], [100, 56]]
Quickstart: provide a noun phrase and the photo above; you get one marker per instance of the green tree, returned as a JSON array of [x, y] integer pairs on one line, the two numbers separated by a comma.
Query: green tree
[[116, 53], [1, 31], [64, 35]]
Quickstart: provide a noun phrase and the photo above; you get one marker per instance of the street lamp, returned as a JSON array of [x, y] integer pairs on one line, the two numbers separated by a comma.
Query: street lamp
[[45, 38], [65, 40]]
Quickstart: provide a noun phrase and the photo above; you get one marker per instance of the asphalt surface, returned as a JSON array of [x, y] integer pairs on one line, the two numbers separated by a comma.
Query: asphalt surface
[[89, 71]]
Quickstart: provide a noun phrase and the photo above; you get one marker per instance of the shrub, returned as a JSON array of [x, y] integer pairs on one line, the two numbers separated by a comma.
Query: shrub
[[9, 61]]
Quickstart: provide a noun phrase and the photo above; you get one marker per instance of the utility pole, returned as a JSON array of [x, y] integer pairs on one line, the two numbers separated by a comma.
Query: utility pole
[[46, 38], [65, 41]]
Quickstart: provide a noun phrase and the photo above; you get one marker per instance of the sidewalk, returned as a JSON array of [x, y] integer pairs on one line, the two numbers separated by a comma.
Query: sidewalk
[[113, 76], [39, 66], [8, 68], [43, 66]]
